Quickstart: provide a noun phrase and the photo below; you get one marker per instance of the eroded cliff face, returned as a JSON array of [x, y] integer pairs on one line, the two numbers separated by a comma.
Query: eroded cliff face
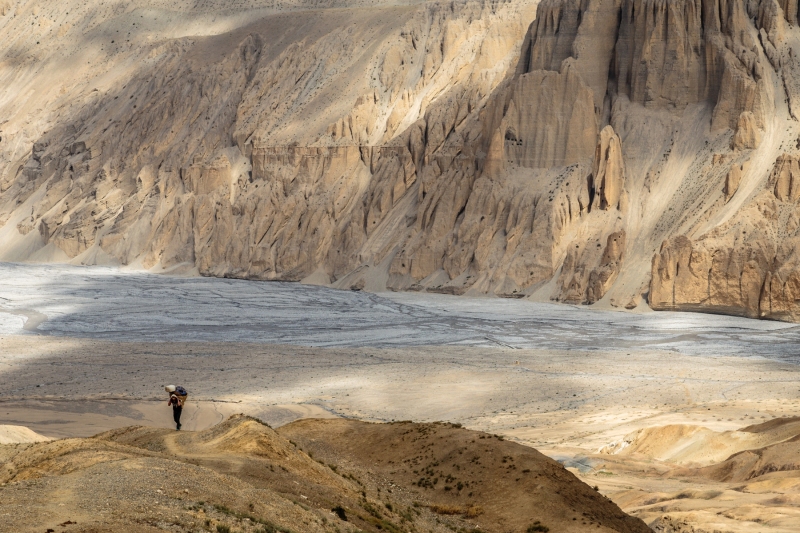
[[610, 127], [479, 147], [748, 266], [742, 260], [264, 152]]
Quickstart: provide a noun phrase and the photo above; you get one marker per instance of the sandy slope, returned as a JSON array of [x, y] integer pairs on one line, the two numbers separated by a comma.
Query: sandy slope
[[19, 435]]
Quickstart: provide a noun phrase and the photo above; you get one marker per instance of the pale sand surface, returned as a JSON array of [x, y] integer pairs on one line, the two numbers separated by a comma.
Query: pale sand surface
[[19, 434], [84, 418]]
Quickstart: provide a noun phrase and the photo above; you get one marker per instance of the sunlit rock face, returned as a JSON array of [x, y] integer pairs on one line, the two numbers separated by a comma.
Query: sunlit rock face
[[747, 266], [567, 150]]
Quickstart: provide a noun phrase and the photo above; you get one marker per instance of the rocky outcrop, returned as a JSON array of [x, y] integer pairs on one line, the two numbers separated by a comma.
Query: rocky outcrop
[[734, 179], [785, 178], [559, 99], [234, 165], [588, 273], [601, 278], [608, 173], [748, 266], [749, 280], [748, 135], [790, 9]]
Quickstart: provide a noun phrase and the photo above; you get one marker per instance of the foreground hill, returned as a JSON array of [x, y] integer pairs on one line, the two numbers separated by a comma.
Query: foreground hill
[[596, 151], [462, 472], [243, 475]]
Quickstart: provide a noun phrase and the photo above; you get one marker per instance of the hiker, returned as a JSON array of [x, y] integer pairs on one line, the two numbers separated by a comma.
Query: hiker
[[177, 398]]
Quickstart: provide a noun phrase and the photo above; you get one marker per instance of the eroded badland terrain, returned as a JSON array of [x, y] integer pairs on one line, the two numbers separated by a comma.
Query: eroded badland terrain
[[627, 154], [588, 151]]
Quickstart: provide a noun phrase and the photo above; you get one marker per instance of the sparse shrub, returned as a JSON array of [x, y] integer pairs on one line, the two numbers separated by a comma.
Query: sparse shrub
[[268, 527], [222, 528], [340, 512], [538, 527], [473, 511], [407, 515], [446, 509], [452, 510], [272, 528], [368, 507]]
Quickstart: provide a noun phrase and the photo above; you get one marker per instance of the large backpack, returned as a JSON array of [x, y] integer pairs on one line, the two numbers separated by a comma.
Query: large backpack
[[180, 391]]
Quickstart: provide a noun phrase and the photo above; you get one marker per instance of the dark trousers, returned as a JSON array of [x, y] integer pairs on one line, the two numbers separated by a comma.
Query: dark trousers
[[176, 413]]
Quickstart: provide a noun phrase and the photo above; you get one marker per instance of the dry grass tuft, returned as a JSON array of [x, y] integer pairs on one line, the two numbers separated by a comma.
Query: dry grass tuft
[[472, 511]]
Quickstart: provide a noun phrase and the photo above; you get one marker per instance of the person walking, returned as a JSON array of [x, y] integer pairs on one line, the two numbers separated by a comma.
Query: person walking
[[177, 399]]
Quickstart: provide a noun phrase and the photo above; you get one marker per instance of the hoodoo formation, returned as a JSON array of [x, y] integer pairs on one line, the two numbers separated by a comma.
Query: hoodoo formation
[[611, 152]]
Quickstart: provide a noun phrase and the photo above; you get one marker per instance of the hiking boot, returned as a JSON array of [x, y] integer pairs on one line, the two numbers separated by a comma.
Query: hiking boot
[[179, 426]]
